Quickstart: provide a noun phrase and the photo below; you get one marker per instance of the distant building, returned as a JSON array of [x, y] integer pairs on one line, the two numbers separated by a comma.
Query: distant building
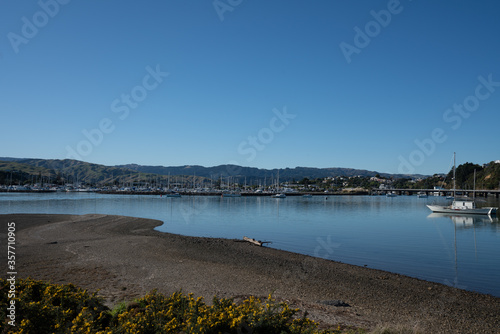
[[497, 161]]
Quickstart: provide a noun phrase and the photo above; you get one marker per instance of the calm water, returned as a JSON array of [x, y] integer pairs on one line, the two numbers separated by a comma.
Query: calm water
[[395, 234]]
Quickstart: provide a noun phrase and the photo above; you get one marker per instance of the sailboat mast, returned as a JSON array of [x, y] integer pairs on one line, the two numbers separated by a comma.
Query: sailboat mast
[[454, 174], [278, 181], [474, 191]]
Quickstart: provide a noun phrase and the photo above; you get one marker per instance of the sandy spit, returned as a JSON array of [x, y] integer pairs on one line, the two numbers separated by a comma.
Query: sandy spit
[[125, 258]]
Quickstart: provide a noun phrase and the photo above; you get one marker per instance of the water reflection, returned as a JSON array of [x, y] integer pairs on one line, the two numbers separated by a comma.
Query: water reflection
[[466, 221], [395, 234], [471, 242]]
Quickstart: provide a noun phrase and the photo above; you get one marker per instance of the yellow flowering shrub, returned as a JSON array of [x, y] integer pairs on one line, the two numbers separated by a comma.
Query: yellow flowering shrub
[[41, 307], [156, 313], [50, 308]]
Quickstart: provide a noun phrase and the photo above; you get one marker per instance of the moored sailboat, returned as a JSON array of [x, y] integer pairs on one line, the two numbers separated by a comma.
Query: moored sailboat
[[279, 194], [462, 206]]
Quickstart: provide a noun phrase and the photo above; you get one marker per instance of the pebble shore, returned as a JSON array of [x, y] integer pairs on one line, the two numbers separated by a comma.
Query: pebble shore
[[124, 258]]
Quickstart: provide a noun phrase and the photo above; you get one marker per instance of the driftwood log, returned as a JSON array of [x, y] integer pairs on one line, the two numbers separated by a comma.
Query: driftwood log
[[256, 242]]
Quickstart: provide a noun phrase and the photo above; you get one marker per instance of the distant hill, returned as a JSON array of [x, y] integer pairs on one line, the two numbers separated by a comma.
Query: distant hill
[[70, 171], [252, 174], [487, 176], [20, 171], [78, 171]]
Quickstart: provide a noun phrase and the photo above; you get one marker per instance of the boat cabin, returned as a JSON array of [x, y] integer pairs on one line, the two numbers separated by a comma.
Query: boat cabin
[[463, 204]]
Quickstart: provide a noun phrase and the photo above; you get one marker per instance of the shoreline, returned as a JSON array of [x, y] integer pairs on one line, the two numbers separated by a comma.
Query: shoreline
[[188, 193], [126, 257]]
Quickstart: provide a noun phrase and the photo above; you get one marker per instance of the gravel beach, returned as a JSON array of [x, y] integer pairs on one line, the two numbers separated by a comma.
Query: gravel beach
[[125, 258]]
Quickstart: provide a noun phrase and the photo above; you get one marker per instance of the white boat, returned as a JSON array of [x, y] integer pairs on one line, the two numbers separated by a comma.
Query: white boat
[[173, 195], [391, 194], [279, 196], [422, 194], [465, 205]]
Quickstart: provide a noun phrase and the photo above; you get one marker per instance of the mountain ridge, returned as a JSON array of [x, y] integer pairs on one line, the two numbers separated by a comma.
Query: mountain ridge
[[20, 170], [90, 171], [236, 171]]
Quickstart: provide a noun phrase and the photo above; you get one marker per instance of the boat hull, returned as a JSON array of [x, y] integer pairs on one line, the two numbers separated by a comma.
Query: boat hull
[[231, 195], [448, 209]]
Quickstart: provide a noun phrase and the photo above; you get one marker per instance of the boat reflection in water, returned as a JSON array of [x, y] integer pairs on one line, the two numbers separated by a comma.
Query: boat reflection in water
[[467, 229], [467, 220]]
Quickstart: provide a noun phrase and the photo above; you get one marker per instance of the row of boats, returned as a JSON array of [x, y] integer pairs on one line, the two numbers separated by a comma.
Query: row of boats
[[236, 194], [458, 206]]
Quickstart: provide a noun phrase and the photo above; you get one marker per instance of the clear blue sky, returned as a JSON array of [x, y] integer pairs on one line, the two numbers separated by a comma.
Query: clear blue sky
[[391, 86]]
